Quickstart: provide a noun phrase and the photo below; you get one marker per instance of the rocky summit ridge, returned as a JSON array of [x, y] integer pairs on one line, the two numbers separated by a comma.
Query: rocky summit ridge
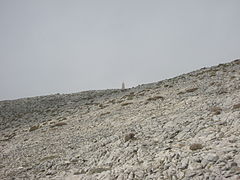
[[187, 127]]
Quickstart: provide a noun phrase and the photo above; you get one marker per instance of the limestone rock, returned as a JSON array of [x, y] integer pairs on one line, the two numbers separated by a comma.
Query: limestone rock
[[185, 127]]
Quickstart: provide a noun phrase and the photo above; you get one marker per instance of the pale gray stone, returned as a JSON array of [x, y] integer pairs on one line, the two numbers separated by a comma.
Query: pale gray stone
[[212, 157], [195, 166], [86, 135]]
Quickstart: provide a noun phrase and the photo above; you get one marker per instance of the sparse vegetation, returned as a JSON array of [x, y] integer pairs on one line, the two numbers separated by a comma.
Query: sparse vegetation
[[155, 98], [216, 110], [167, 86], [187, 91], [103, 114], [33, 128], [141, 94], [236, 106], [126, 103], [102, 106], [130, 136], [59, 124], [212, 74], [198, 131], [195, 147], [130, 96], [191, 90]]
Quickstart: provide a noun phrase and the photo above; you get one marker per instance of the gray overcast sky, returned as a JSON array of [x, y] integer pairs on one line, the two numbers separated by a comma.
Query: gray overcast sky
[[63, 46]]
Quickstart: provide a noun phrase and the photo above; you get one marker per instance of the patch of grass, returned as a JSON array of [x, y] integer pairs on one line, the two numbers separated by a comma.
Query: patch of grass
[[33, 128], [130, 97], [59, 124], [129, 136], [191, 90], [79, 172], [126, 103], [195, 146], [155, 98], [236, 106], [187, 91], [168, 86], [223, 65], [216, 110], [212, 74], [103, 114], [141, 94], [179, 93]]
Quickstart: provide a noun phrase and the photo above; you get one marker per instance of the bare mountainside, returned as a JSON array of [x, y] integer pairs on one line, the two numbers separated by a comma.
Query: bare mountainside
[[187, 127]]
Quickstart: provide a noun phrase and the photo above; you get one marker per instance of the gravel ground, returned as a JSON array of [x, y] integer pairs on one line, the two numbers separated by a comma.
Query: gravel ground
[[187, 127]]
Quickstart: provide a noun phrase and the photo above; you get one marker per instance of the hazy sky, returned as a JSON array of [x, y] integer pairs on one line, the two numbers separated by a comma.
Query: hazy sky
[[63, 46]]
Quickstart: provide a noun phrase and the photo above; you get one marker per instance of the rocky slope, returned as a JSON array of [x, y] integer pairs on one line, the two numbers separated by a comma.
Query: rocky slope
[[187, 127]]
